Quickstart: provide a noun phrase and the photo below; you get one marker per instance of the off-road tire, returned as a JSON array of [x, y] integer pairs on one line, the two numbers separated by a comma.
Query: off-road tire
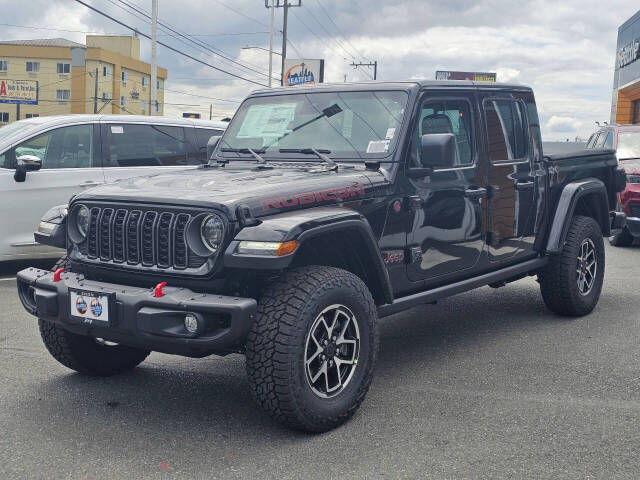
[[84, 354], [622, 239], [276, 347], [558, 280]]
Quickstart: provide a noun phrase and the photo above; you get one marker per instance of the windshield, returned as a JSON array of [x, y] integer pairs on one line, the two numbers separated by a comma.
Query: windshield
[[628, 145], [345, 124]]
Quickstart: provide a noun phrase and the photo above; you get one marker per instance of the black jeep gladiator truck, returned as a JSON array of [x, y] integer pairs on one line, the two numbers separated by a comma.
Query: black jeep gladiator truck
[[322, 210]]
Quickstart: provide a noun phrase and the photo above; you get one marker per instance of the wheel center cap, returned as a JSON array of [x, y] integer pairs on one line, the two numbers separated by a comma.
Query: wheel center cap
[[331, 350]]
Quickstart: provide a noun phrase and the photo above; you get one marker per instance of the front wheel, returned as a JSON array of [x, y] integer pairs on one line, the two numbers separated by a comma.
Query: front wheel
[[312, 349], [572, 281]]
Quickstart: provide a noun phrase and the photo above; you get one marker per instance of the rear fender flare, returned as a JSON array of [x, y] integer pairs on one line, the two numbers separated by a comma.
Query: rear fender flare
[[592, 189]]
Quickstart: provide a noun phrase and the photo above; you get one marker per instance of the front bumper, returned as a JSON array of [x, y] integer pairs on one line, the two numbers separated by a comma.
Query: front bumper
[[139, 319]]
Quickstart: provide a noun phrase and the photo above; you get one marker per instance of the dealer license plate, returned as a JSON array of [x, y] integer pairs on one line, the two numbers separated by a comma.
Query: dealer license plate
[[91, 306]]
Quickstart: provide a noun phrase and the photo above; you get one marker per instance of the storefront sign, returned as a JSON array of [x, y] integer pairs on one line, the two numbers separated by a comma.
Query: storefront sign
[[474, 76], [19, 91], [628, 54], [303, 72]]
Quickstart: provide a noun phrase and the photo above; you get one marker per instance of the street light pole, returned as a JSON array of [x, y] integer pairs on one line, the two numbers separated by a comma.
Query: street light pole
[[284, 39]]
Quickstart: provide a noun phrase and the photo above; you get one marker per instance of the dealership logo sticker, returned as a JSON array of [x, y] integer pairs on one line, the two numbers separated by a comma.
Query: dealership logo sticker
[[629, 53], [81, 305], [96, 307]]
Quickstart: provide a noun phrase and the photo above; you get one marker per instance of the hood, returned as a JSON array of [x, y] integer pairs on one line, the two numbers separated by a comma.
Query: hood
[[265, 192]]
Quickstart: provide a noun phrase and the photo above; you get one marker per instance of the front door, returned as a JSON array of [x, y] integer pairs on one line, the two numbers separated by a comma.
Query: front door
[[69, 165], [512, 178], [447, 233]]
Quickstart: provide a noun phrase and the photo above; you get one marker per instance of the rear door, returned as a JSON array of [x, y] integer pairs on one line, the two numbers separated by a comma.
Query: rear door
[[132, 150], [514, 171], [447, 230], [70, 163]]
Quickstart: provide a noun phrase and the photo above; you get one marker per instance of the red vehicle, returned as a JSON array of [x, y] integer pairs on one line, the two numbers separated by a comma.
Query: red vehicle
[[626, 140]]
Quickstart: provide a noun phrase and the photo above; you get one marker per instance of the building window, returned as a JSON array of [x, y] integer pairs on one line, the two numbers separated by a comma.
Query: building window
[[159, 85], [143, 106], [145, 82], [4, 66], [123, 101], [106, 71], [636, 111], [4, 117], [33, 67], [124, 77], [33, 115], [64, 68], [105, 96], [158, 107], [63, 95]]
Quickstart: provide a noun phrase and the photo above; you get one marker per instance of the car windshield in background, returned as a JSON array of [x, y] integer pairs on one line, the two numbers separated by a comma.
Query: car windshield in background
[[346, 124], [628, 145]]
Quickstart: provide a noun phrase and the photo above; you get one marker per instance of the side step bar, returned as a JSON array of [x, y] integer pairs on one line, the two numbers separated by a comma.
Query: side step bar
[[514, 271]]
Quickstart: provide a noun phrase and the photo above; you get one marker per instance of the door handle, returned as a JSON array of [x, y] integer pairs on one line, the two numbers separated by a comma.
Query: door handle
[[475, 192], [90, 183], [525, 185]]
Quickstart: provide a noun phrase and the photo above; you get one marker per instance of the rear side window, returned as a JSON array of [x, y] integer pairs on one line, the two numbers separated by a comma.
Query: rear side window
[[507, 130], [145, 145]]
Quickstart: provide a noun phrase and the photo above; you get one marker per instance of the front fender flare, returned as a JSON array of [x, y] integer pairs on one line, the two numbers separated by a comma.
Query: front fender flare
[[304, 226]]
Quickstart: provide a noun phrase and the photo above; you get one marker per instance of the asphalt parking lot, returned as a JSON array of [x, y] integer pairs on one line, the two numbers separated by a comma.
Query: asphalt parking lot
[[488, 384]]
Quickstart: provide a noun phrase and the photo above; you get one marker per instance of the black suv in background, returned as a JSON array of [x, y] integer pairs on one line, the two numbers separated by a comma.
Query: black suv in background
[[322, 210]]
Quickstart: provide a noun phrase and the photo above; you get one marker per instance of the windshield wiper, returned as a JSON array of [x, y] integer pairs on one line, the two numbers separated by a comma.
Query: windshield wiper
[[256, 153], [321, 154]]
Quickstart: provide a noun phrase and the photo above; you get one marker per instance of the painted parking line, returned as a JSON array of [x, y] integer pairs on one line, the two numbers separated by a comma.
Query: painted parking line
[[8, 279]]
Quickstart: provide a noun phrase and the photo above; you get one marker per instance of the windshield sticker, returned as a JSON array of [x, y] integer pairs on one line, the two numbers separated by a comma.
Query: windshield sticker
[[117, 129], [391, 132], [267, 121], [378, 146]]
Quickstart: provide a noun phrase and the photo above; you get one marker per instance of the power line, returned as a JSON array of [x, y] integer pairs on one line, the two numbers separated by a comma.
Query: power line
[[202, 96], [198, 43], [168, 46], [240, 13], [338, 28], [330, 36]]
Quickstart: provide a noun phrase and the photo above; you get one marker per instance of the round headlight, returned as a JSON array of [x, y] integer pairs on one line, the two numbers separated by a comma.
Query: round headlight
[[212, 232], [82, 220]]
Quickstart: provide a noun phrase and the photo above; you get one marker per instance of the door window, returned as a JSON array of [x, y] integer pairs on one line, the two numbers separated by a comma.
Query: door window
[[506, 130], [448, 116], [68, 147], [146, 145]]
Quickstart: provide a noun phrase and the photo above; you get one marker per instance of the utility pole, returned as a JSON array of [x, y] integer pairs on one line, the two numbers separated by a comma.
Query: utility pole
[[372, 64], [95, 93], [210, 111], [273, 14], [286, 4], [154, 55]]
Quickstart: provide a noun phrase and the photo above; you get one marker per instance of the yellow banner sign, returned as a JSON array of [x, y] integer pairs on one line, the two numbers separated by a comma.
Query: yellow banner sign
[[19, 91]]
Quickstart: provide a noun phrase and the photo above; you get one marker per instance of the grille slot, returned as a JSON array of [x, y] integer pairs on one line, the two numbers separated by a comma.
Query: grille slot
[[635, 209], [140, 237]]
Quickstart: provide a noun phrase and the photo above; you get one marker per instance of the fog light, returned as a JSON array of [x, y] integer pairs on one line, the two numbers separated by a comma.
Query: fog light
[[191, 323]]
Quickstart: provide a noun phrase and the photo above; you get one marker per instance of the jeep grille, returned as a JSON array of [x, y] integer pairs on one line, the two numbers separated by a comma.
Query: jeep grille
[[148, 238]]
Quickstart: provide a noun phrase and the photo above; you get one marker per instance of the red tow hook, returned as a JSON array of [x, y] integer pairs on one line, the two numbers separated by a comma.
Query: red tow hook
[[57, 273], [157, 292]]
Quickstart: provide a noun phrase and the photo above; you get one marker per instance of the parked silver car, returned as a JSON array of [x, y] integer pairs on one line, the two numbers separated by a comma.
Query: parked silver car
[[46, 160]]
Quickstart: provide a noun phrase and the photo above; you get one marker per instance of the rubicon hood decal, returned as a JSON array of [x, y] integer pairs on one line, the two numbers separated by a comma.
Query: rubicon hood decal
[[306, 198]]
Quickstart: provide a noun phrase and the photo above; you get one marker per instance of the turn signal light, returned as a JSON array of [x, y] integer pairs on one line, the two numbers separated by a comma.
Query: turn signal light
[[267, 249]]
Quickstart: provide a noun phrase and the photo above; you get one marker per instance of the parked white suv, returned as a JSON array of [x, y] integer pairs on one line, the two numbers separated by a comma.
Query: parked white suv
[[46, 160]]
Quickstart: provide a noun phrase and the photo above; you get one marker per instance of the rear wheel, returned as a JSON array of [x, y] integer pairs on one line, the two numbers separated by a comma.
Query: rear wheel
[[572, 281], [85, 354], [312, 349]]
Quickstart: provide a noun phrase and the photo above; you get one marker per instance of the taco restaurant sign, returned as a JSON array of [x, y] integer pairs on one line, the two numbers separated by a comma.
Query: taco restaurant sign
[[19, 91], [303, 72]]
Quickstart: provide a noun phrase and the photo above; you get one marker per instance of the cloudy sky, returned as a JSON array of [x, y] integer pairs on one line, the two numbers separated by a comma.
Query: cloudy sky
[[564, 49]]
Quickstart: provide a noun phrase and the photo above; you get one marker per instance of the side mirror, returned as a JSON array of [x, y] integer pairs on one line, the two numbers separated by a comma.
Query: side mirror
[[212, 144], [438, 150], [26, 163]]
